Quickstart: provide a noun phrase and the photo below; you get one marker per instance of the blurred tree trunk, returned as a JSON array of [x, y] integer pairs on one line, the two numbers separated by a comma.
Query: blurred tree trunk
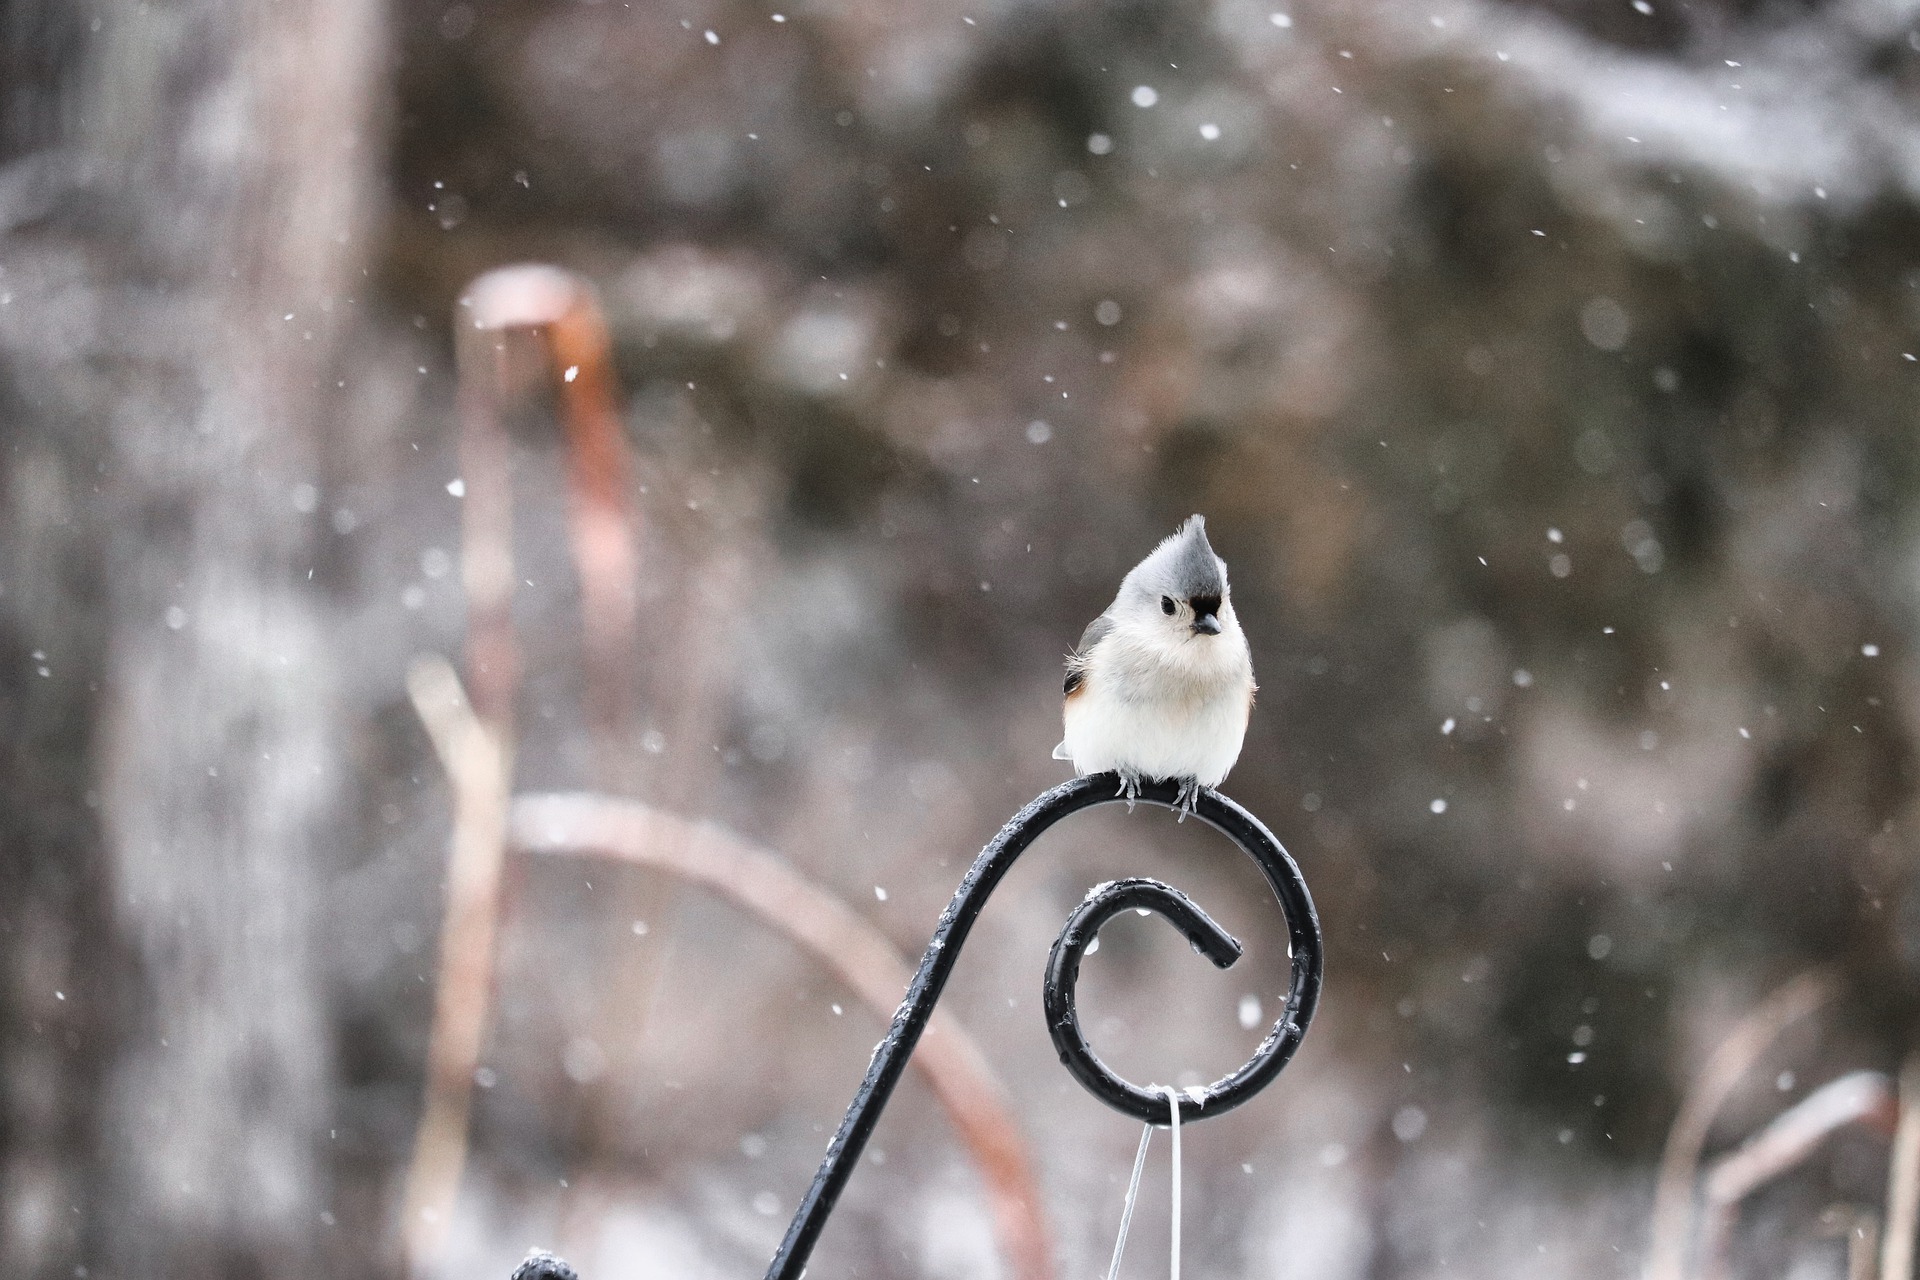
[[182, 191]]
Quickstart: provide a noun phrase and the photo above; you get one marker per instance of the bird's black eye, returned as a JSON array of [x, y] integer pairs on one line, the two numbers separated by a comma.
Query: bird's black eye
[[1166, 605]]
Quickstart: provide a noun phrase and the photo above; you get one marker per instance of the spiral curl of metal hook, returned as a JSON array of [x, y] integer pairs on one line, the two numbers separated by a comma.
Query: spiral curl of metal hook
[[1101, 904]]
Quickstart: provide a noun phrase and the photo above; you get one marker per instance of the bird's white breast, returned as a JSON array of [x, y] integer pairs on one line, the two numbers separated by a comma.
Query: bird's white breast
[[1162, 710]]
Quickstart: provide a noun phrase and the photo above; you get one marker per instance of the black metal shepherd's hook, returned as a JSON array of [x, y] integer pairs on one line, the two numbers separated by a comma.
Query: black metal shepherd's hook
[[1063, 969]]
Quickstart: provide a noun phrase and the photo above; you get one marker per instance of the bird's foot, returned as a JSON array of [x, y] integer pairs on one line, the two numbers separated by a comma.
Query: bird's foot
[[1129, 788], [1188, 799]]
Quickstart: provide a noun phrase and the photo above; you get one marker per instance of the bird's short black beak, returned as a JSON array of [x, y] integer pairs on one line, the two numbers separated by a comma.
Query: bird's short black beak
[[1206, 624]]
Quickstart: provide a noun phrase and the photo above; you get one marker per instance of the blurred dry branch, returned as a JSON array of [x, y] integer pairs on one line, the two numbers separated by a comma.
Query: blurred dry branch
[[1862, 1097], [1903, 1180], [768, 887], [707, 854], [478, 764], [1755, 1033], [485, 487], [565, 310], [474, 742]]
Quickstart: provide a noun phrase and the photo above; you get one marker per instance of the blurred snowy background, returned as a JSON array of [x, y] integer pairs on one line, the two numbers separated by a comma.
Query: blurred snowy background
[[1546, 371]]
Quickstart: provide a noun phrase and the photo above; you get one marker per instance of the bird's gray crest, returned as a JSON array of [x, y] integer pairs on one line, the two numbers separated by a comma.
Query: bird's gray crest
[[1184, 565]]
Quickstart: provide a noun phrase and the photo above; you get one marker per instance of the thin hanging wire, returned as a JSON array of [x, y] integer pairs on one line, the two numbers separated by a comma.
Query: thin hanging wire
[[1133, 1194], [1173, 1114], [1133, 1187]]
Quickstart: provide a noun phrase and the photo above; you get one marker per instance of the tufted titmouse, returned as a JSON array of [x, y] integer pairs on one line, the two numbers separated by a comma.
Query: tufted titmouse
[[1161, 683]]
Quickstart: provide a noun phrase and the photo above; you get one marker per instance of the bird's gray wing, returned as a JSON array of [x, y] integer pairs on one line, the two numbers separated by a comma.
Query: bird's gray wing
[[1077, 660]]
